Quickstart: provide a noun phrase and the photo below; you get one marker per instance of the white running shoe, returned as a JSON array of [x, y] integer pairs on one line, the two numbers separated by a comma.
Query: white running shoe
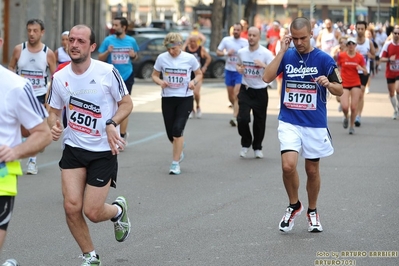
[[126, 142], [243, 152], [125, 138], [89, 260], [287, 222], [314, 222], [345, 122], [174, 169], [10, 262], [395, 115], [198, 113], [32, 168], [233, 122], [258, 154]]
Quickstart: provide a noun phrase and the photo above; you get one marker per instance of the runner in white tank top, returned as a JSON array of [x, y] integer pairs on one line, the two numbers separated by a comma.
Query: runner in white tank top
[[34, 66], [33, 59], [366, 48], [61, 53], [328, 37]]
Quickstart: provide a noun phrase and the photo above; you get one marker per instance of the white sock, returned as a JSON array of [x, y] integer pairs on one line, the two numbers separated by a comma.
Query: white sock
[[175, 162], [397, 97], [393, 102], [32, 159], [119, 210], [93, 253]]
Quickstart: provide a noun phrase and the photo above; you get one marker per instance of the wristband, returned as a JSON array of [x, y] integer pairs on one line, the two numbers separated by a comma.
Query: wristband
[[111, 122]]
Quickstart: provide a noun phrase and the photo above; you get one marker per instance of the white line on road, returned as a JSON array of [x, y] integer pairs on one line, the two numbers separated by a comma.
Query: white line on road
[[137, 142]]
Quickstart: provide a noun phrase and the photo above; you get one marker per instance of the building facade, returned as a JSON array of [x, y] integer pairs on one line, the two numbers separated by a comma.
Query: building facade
[[336, 10], [57, 15], [61, 15]]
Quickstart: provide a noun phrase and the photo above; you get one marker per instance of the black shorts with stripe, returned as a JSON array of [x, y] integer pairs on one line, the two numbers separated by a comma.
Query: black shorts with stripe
[[6, 207], [101, 167]]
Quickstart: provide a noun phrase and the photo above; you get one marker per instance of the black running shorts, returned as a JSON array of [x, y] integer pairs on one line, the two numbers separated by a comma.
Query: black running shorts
[[364, 79], [100, 166], [6, 207], [129, 83]]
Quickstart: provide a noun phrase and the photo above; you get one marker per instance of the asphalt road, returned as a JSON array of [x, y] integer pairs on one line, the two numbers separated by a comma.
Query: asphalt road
[[224, 210]]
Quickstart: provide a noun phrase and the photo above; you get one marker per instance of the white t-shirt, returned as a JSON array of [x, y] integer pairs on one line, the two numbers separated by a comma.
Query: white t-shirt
[[91, 99], [380, 39], [252, 76], [229, 43], [177, 72], [18, 106]]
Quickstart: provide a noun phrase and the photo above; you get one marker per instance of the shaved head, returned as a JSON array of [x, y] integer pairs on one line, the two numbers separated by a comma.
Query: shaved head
[[254, 30]]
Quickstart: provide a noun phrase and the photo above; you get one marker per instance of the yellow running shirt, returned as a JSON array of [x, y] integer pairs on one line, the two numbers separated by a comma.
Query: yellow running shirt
[[8, 177]]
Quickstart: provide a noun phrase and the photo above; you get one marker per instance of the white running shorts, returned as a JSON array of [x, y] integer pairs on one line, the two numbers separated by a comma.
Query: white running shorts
[[309, 142]]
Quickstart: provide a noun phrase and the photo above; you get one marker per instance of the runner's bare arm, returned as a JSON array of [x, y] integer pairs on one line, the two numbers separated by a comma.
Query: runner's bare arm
[[51, 61], [156, 78], [372, 50], [125, 107], [56, 55], [270, 72], [54, 123], [208, 58], [38, 139], [14, 58], [104, 56]]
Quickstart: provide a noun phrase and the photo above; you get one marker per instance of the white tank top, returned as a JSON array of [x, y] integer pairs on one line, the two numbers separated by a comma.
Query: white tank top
[[33, 66], [328, 41], [363, 49], [62, 55]]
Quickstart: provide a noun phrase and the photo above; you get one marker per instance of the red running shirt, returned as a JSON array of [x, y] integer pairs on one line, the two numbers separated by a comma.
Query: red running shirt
[[347, 64], [389, 49]]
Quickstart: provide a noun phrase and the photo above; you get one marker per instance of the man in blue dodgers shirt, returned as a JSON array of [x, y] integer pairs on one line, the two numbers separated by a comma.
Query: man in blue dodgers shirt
[[119, 49], [307, 75]]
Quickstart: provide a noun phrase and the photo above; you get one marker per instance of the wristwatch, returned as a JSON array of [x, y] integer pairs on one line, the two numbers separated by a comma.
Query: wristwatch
[[110, 122]]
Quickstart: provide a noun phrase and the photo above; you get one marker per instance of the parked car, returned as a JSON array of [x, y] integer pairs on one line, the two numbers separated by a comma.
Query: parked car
[[145, 30], [151, 45], [163, 24]]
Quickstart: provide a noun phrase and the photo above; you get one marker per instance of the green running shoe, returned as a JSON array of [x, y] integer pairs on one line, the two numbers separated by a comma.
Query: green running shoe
[[122, 223], [90, 261]]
